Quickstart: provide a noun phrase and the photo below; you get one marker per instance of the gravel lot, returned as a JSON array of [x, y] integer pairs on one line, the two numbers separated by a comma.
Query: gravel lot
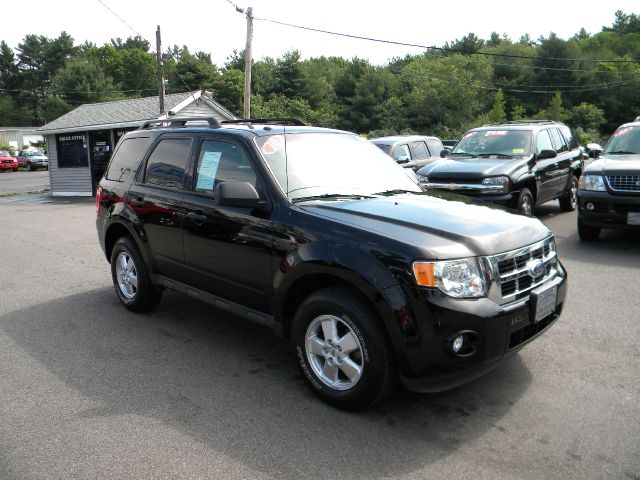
[[89, 390]]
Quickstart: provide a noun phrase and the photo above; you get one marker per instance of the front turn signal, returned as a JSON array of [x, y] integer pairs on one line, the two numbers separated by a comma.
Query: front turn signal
[[423, 271]]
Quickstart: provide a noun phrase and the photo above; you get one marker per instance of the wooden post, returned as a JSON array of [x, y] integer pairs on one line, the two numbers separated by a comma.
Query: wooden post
[[247, 65], [159, 65]]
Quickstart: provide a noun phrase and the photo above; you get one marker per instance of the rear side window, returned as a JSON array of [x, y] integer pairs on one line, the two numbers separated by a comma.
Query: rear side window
[[221, 162], [126, 159], [167, 163], [569, 137]]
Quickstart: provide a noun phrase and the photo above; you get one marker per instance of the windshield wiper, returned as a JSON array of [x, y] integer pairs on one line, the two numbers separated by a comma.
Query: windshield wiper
[[330, 196], [460, 153], [395, 191], [621, 152], [499, 155]]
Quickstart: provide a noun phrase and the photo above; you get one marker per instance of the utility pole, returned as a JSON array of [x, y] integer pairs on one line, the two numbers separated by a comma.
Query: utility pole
[[160, 79], [247, 65]]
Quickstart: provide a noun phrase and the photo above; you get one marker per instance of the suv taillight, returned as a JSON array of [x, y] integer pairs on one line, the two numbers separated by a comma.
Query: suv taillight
[[98, 199]]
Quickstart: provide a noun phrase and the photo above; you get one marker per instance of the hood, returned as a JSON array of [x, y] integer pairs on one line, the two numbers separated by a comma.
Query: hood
[[438, 225], [471, 167], [616, 165]]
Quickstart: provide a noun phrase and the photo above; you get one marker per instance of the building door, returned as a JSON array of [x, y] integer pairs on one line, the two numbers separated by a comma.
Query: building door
[[101, 149]]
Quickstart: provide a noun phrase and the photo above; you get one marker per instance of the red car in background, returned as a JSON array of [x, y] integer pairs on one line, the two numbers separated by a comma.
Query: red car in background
[[7, 162]]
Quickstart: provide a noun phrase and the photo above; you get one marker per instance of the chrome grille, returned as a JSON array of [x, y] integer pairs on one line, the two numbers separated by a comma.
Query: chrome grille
[[513, 274], [624, 183]]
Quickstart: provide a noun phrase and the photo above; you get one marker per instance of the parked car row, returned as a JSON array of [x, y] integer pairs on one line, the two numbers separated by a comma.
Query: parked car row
[[29, 159]]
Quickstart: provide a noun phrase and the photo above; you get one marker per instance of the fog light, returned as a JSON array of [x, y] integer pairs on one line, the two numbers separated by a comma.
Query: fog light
[[457, 344], [591, 207]]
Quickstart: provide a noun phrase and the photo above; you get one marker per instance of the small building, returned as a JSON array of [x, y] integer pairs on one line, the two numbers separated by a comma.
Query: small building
[[80, 142]]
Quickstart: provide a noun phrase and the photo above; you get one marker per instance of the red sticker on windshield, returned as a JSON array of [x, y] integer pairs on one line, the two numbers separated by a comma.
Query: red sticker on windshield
[[622, 131], [495, 133], [470, 134], [273, 145]]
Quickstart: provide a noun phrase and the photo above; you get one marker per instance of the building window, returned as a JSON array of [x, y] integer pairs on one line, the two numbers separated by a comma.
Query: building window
[[73, 150]]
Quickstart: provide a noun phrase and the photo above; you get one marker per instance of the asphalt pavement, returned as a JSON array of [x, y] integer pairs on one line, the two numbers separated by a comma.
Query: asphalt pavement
[[90, 390], [24, 182]]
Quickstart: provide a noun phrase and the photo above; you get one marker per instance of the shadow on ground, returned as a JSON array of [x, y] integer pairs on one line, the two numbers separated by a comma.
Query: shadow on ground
[[234, 387]]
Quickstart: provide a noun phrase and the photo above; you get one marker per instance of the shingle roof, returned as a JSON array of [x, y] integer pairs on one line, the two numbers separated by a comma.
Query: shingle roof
[[119, 113]]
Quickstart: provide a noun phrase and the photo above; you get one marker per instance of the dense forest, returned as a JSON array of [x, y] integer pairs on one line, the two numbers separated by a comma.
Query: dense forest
[[590, 81]]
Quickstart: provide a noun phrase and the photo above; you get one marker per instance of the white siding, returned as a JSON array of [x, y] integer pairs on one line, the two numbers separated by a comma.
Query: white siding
[[66, 181]]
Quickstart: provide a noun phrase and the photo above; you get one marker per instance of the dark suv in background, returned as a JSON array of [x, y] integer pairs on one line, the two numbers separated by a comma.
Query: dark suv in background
[[320, 235], [609, 190], [520, 164], [410, 151]]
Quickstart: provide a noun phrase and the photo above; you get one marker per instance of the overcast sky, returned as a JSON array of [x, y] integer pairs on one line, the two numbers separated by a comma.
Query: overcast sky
[[213, 26]]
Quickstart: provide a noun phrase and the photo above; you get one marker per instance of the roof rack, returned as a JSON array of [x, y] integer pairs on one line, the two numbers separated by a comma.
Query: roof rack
[[515, 122], [276, 121], [179, 122]]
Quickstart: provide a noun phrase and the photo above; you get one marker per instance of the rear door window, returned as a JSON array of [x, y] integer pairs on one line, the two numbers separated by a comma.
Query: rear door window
[[126, 159], [167, 163]]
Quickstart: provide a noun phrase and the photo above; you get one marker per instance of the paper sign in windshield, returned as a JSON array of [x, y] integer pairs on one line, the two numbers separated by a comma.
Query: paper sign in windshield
[[518, 150], [495, 133], [470, 134], [273, 145], [622, 131], [207, 170]]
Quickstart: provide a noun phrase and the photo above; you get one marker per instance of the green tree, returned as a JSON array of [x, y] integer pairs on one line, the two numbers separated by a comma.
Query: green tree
[[587, 116], [555, 110], [83, 81], [497, 113]]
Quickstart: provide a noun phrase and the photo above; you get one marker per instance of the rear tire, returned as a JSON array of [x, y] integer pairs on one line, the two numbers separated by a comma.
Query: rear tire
[[569, 202], [586, 232], [130, 277], [29, 167], [525, 202], [342, 349]]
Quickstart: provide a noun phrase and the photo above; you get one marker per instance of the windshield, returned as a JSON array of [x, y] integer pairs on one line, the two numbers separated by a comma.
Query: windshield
[[509, 143], [331, 164], [36, 153], [625, 140]]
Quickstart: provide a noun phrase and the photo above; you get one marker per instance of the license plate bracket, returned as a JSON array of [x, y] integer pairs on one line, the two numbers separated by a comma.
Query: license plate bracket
[[543, 302]]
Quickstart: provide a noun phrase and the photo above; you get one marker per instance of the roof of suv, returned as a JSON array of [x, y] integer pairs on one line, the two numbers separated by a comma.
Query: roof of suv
[[401, 138], [521, 125]]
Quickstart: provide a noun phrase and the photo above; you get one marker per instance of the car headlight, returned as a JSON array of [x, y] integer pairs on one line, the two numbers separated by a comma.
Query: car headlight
[[502, 182], [457, 278], [591, 182], [423, 179]]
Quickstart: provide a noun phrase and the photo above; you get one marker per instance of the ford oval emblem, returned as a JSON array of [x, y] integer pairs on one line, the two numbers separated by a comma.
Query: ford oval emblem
[[536, 267]]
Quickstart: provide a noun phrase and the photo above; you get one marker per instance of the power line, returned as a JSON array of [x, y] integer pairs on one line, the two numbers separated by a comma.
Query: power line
[[147, 40], [441, 49]]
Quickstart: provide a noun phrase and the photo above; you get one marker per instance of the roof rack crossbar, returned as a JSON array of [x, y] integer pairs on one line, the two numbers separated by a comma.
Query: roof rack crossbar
[[180, 121], [287, 121]]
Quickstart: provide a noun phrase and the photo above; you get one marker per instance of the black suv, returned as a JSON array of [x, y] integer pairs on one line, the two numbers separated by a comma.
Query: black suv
[[520, 164], [320, 235], [609, 190]]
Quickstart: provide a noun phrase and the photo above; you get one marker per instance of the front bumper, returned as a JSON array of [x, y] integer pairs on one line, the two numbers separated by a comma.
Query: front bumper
[[609, 211], [8, 166], [502, 331]]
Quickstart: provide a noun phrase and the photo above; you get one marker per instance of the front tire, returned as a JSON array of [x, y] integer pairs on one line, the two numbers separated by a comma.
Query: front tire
[[130, 277], [525, 202], [586, 232], [342, 349], [29, 167], [569, 202]]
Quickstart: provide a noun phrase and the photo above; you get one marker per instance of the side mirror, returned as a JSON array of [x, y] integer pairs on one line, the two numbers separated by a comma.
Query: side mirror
[[237, 194], [544, 154], [402, 159], [444, 153]]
